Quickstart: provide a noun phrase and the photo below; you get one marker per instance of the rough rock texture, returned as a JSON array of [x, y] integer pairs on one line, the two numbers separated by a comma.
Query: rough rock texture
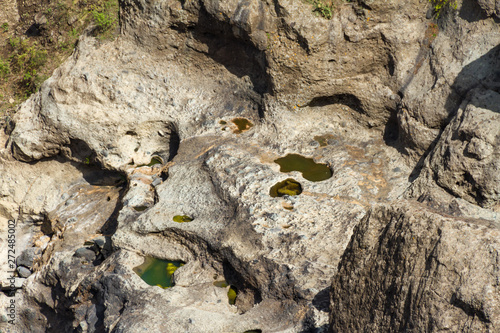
[[408, 269], [449, 65], [465, 161], [128, 133]]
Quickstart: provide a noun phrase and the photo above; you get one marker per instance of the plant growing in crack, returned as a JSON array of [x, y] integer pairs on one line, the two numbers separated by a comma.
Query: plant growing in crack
[[439, 5]]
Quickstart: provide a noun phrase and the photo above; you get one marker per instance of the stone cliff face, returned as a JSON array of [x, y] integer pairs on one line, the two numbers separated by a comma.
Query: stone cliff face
[[186, 112]]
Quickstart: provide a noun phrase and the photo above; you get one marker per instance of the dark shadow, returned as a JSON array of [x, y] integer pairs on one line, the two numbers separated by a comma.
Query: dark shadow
[[418, 167], [322, 300], [34, 30], [59, 319], [111, 225], [236, 53], [234, 278], [482, 74], [472, 12], [96, 176], [391, 129], [470, 309], [173, 144], [346, 99], [309, 325], [81, 150]]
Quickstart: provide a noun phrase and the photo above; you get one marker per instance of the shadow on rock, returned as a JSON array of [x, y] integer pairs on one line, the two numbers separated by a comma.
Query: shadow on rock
[[481, 74]]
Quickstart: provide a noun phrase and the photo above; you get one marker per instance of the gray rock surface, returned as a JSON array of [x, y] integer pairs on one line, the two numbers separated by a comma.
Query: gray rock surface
[[400, 109], [408, 269], [28, 257], [466, 160], [85, 253], [23, 271]]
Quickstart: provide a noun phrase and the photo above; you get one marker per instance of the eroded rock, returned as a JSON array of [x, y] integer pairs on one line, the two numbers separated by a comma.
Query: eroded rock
[[156, 124], [407, 268]]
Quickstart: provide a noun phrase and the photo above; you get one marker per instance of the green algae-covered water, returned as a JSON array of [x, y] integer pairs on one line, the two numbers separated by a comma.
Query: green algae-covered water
[[157, 272], [232, 292], [311, 170], [287, 187], [242, 124], [182, 218]]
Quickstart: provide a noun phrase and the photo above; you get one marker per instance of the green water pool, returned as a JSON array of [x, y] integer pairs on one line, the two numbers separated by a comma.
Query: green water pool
[[310, 170], [157, 272]]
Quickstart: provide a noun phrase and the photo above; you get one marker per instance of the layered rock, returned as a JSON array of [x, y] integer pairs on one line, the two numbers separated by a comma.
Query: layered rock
[[154, 115], [409, 269]]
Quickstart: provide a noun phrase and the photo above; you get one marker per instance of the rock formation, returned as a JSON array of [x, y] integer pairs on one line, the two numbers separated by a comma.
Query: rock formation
[[126, 134]]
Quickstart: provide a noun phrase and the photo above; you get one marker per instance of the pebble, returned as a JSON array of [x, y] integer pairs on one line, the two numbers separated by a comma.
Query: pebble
[[23, 271]]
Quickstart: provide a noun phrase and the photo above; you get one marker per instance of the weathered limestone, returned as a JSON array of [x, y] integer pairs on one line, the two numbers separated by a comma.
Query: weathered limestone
[[369, 92]]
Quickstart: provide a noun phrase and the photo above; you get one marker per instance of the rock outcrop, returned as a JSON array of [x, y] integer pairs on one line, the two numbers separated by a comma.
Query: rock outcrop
[[409, 269], [185, 113]]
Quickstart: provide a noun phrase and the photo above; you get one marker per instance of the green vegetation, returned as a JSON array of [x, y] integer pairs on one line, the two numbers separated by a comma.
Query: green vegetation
[[4, 68], [439, 5], [105, 16], [323, 8], [26, 60]]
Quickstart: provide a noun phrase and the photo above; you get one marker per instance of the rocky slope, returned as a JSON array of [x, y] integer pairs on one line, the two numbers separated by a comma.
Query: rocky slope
[[185, 114]]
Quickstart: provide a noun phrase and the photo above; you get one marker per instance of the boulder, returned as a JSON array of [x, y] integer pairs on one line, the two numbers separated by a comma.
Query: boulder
[[407, 268]]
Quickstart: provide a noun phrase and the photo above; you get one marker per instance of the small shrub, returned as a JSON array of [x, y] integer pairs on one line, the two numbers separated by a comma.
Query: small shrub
[[323, 9], [105, 15], [439, 5], [14, 42], [4, 69], [5, 27], [26, 60]]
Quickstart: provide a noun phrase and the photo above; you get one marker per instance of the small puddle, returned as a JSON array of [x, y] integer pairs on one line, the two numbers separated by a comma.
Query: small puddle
[[157, 272], [154, 160], [220, 284], [232, 293], [182, 218], [287, 187], [242, 124], [311, 170]]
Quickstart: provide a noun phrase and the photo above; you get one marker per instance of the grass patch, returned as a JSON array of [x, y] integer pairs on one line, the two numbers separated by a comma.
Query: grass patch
[[440, 5], [323, 8], [105, 16], [25, 61]]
